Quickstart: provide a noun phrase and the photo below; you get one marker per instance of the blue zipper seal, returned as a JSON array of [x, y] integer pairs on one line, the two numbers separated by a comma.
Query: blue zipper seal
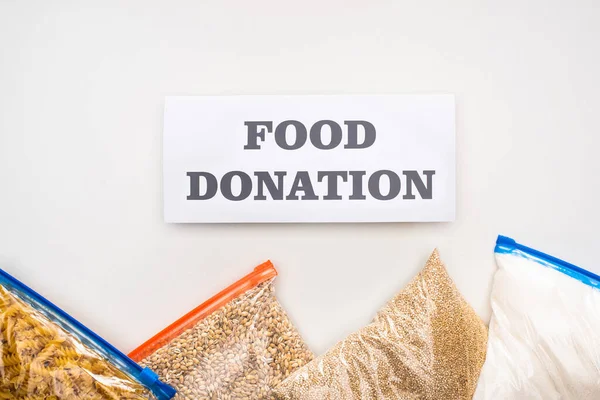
[[145, 376], [506, 245]]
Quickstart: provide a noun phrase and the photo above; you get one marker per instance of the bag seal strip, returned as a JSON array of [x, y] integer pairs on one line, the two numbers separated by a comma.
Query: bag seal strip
[[143, 375], [506, 245], [262, 273]]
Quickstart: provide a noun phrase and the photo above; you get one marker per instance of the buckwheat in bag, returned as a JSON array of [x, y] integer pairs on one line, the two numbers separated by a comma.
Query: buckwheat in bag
[[237, 345], [426, 343]]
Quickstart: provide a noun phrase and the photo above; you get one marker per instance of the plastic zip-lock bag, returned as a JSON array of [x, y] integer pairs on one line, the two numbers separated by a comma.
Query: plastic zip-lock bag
[[545, 329], [426, 343], [237, 345], [48, 355]]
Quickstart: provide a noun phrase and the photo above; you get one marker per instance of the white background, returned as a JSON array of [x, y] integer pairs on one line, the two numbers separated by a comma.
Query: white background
[[81, 104]]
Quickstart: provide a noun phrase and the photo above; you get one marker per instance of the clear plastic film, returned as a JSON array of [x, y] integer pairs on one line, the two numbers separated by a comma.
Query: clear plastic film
[[238, 345], [545, 329], [426, 343], [47, 355]]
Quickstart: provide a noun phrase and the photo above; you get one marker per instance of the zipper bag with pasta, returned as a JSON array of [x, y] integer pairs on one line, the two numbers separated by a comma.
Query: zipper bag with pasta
[[47, 354], [545, 329], [237, 345]]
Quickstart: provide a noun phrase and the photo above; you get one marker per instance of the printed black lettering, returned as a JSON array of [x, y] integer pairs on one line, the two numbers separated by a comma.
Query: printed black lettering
[[211, 186], [316, 135], [370, 134], [265, 179], [281, 135], [375, 185], [257, 130], [332, 183], [226, 185], [302, 182], [425, 191]]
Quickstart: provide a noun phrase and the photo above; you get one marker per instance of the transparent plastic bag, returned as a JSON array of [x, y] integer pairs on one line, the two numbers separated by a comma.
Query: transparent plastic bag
[[426, 343], [48, 355], [545, 329], [237, 345]]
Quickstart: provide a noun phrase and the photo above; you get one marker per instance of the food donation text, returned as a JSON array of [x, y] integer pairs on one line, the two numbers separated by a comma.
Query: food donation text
[[290, 135]]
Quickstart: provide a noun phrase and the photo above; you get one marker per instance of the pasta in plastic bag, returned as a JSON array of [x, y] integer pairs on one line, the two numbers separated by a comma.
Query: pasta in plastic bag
[[237, 345], [545, 329], [46, 354], [426, 343]]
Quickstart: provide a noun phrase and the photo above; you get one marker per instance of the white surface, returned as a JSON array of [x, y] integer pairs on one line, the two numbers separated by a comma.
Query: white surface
[[207, 135], [81, 98]]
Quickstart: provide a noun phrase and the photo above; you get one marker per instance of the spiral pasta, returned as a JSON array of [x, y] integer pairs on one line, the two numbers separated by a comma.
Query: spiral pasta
[[39, 360]]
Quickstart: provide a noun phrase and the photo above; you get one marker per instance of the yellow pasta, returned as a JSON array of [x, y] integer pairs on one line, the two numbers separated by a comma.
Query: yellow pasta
[[40, 361]]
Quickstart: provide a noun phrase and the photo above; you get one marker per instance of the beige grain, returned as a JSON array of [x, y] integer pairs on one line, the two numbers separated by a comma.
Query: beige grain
[[426, 343], [241, 351]]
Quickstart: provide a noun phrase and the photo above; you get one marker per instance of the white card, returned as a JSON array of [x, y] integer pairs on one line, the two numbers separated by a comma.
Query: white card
[[379, 158]]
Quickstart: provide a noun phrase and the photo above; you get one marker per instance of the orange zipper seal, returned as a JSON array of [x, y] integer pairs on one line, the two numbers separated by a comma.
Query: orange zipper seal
[[262, 273]]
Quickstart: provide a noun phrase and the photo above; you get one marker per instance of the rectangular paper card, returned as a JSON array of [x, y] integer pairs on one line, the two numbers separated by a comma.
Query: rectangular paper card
[[380, 158]]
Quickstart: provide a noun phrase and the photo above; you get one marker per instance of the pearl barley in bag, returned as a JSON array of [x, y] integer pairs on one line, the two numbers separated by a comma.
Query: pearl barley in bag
[[237, 345], [426, 343]]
